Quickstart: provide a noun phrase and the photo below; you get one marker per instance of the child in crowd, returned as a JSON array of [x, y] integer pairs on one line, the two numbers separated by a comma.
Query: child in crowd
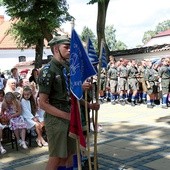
[[12, 107], [22, 83], [2, 150], [29, 110], [40, 112]]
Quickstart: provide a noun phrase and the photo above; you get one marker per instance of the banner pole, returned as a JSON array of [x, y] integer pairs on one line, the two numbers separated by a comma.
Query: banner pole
[[87, 125], [78, 145], [78, 154], [96, 112]]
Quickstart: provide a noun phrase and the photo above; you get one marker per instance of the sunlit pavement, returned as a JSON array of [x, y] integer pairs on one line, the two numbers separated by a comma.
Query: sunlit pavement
[[132, 138]]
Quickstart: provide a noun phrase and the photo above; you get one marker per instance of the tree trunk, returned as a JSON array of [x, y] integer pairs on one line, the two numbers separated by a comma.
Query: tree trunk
[[39, 53], [44, 29], [101, 21]]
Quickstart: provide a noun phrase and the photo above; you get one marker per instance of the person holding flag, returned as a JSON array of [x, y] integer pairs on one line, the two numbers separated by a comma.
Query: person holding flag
[[54, 98], [57, 101], [81, 69]]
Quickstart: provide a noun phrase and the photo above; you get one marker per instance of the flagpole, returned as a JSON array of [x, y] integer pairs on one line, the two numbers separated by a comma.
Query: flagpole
[[92, 119], [77, 140], [92, 101], [96, 112], [78, 146], [87, 126], [79, 62]]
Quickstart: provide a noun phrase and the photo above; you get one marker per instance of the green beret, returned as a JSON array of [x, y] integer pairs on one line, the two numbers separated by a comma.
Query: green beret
[[63, 39]]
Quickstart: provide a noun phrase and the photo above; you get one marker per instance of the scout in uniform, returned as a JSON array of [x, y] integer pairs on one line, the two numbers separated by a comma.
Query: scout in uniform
[[55, 101], [164, 73], [150, 79], [123, 83], [133, 82], [113, 78]]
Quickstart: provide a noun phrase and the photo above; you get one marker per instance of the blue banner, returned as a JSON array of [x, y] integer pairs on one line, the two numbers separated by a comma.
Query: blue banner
[[92, 53], [80, 66], [104, 61]]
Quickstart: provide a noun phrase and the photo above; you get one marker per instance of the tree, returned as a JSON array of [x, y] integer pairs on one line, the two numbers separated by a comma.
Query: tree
[[110, 37], [37, 20], [1, 2], [101, 21], [120, 46], [147, 36], [88, 33], [163, 26], [113, 44]]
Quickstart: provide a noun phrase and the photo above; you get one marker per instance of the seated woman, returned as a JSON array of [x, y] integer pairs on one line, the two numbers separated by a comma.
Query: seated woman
[[29, 112]]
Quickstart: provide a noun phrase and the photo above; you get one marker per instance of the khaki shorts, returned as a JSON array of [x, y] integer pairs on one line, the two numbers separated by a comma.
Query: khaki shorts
[[123, 84], [165, 83], [113, 86], [133, 84], [59, 143]]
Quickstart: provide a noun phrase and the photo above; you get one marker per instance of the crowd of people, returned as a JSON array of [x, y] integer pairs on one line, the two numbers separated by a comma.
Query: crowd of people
[[43, 99], [132, 82], [19, 108]]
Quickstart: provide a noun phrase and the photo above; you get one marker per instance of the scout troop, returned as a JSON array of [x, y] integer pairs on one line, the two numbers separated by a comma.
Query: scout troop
[[132, 82]]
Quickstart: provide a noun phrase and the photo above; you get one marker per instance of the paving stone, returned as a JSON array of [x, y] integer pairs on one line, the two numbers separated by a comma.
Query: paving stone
[[133, 138]]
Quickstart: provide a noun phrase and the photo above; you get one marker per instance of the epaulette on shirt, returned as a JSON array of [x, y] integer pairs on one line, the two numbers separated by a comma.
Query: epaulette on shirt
[[47, 66], [45, 75]]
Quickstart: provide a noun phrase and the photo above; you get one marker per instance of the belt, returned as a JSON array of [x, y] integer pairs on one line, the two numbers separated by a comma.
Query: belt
[[114, 79]]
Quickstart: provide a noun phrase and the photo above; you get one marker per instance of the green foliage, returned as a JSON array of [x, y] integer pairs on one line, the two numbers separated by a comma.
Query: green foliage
[[87, 33], [1, 2], [35, 21], [148, 35], [37, 18], [112, 43], [110, 37], [120, 46], [163, 26], [25, 36]]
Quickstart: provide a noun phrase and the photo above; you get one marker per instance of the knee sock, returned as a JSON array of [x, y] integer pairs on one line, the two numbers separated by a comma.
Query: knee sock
[[164, 99], [144, 96]]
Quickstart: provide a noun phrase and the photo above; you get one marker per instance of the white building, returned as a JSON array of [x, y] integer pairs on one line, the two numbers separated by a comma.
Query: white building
[[158, 47]]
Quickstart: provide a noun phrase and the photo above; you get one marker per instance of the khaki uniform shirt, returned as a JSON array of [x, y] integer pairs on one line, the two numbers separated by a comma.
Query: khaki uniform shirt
[[52, 82]]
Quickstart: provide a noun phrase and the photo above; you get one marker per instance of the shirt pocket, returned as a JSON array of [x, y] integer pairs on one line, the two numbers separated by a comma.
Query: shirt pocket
[[58, 84]]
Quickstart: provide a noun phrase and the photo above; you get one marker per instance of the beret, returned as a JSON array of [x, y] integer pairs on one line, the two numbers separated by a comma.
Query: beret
[[63, 39]]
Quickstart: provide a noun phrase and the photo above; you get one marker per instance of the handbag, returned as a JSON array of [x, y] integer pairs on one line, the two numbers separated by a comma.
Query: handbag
[[4, 119]]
